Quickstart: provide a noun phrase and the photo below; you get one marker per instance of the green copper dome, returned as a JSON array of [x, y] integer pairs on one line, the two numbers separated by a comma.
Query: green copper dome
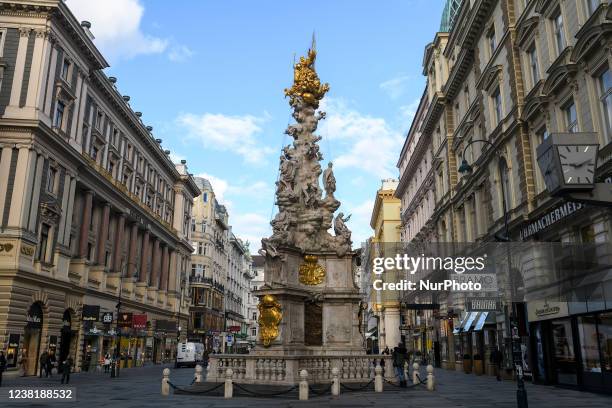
[[451, 9]]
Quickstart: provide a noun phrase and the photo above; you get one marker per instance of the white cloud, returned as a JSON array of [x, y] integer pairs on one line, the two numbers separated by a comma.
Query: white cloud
[[360, 221], [175, 157], [180, 53], [368, 142], [409, 111], [116, 26], [237, 134], [251, 227], [395, 87]]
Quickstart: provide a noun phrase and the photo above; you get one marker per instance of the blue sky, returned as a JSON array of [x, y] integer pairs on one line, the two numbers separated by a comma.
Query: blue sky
[[209, 77]]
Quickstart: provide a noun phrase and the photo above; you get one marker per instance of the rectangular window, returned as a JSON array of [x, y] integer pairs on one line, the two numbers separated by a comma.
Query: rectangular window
[[534, 65], [65, 69], [94, 153], [497, 106], [559, 32], [51, 176], [59, 115], [605, 91], [44, 241], [571, 118], [491, 41], [592, 5]]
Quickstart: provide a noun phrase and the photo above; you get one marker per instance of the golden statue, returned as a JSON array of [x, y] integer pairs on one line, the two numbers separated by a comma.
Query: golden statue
[[306, 83], [270, 316], [311, 273]]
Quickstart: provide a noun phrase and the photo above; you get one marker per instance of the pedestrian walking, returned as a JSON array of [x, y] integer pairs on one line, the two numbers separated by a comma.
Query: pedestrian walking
[[496, 359], [66, 369], [2, 365], [44, 357], [50, 364], [107, 363], [399, 359], [23, 363]]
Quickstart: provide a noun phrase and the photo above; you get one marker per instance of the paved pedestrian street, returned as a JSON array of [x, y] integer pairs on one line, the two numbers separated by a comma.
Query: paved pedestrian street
[[140, 387]]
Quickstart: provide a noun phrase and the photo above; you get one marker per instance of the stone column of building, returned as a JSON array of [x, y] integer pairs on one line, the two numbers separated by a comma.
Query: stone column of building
[[172, 272], [163, 286], [154, 281], [392, 324], [118, 243], [103, 234], [86, 221], [144, 254], [132, 251]]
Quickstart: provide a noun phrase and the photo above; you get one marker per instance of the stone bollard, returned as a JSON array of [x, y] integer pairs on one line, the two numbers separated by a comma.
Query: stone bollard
[[229, 386], [165, 387], [415, 373], [378, 379], [198, 373], [335, 389], [430, 378], [304, 385]]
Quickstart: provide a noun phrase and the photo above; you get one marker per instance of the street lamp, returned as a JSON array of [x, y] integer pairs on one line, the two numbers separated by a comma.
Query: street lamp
[[178, 322], [465, 169]]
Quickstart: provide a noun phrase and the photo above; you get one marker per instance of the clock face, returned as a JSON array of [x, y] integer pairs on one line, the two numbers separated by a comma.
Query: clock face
[[549, 173], [577, 163]]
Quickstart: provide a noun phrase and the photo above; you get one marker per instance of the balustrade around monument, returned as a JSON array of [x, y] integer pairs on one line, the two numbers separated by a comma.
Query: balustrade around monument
[[285, 369]]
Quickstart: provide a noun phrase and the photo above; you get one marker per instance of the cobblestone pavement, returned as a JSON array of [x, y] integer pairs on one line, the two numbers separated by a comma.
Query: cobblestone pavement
[[140, 387]]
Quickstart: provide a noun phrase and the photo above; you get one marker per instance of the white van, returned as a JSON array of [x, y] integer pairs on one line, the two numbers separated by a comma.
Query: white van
[[189, 354]]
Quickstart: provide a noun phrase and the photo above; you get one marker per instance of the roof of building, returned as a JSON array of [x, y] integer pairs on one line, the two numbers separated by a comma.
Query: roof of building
[[450, 12], [203, 183]]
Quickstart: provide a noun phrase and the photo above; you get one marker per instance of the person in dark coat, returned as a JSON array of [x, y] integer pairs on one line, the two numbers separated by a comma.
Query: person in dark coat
[[50, 365], [66, 369], [2, 365], [400, 354], [496, 359], [44, 357]]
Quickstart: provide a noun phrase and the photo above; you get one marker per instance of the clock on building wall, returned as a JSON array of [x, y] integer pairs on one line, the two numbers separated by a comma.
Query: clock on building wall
[[568, 161]]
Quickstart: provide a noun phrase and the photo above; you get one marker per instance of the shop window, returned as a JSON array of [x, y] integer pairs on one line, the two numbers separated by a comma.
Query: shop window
[[587, 329], [605, 340]]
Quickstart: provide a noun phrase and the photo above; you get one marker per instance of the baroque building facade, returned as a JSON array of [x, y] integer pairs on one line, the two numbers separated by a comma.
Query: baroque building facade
[[220, 268], [512, 73], [95, 212], [253, 301]]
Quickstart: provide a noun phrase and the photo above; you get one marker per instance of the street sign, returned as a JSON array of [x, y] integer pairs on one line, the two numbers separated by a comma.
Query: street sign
[[229, 339]]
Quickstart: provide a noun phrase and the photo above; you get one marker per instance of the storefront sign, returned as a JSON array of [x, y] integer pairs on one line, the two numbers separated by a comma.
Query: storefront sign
[[233, 329], [90, 313], [550, 218], [165, 325], [482, 304], [34, 317], [544, 310], [139, 321], [107, 317], [124, 320], [13, 340]]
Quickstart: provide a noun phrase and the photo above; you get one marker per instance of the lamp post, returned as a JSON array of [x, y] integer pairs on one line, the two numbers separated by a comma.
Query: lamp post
[[178, 322], [521, 393]]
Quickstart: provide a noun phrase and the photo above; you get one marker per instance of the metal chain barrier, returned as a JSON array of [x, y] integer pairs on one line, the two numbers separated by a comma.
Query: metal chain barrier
[[421, 382], [176, 387], [359, 388], [323, 391], [264, 394]]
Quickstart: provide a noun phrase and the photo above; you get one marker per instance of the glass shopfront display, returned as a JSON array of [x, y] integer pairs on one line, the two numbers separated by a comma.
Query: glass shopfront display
[[564, 358]]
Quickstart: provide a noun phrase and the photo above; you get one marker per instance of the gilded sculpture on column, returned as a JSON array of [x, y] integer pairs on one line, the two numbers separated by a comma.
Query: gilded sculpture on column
[[270, 316], [311, 273]]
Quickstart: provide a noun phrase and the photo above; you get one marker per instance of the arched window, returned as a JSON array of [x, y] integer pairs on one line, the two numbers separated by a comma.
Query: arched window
[[504, 177]]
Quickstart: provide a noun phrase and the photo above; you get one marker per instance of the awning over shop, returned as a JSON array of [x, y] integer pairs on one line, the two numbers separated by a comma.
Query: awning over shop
[[458, 327], [469, 321]]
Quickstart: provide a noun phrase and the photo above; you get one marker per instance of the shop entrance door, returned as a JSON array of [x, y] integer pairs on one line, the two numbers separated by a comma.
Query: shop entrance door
[[564, 358]]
